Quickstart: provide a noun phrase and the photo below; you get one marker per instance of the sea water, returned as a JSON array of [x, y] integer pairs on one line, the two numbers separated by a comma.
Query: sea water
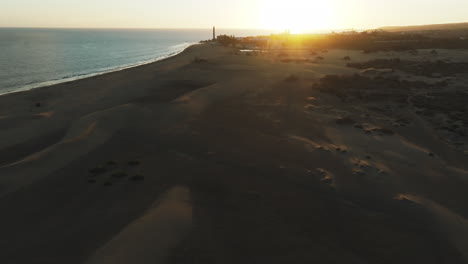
[[36, 57]]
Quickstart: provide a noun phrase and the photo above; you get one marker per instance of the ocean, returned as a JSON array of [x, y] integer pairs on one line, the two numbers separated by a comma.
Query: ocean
[[37, 57]]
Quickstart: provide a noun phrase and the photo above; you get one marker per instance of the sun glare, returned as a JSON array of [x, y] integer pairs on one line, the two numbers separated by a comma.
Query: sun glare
[[298, 16]]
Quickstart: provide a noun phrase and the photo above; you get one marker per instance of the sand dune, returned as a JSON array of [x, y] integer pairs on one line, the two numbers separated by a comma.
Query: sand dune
[[449, 26], [150, 238], [238, 158], [454, 226]]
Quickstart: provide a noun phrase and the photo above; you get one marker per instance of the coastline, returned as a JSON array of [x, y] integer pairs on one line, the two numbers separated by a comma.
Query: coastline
[[230, 157], [99, 72]]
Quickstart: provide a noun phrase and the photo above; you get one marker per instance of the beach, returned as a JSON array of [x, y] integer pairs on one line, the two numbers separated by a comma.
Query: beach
[[221, 156]]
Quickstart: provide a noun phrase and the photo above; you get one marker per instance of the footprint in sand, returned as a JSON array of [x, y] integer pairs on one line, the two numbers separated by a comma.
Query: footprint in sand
[[110, 168], [95, 172]]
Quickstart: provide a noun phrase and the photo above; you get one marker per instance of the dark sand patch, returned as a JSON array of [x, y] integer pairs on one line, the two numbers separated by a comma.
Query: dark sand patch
[[430, 69]]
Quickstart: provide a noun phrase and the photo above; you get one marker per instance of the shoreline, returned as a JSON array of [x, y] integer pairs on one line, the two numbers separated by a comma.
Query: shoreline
[[49, 83], [229, 155]]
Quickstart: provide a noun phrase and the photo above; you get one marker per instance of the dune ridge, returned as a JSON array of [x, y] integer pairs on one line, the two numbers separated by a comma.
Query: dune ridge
[[235, 158]]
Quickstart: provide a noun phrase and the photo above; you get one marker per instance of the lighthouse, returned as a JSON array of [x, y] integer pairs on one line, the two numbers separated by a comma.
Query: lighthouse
[[214, 33]]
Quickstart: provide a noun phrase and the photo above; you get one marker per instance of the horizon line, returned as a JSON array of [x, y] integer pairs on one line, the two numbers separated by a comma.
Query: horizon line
[[272, 31]]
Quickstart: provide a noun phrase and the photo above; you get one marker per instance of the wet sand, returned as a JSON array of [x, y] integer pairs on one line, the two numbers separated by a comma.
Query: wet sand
[[239, 158]]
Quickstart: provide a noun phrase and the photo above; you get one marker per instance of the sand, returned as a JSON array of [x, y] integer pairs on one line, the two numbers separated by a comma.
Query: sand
[[236, 158]]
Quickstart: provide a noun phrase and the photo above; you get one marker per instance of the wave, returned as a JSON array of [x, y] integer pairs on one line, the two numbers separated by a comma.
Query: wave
[[172, 51]]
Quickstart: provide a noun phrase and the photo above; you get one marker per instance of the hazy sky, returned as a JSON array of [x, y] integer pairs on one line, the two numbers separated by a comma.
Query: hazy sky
[[303, 14]]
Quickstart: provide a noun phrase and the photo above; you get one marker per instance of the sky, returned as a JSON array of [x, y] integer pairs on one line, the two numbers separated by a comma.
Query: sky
[[296, 15]]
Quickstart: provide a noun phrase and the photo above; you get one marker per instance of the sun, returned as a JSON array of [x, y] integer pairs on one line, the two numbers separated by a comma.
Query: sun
[[298, 16]]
